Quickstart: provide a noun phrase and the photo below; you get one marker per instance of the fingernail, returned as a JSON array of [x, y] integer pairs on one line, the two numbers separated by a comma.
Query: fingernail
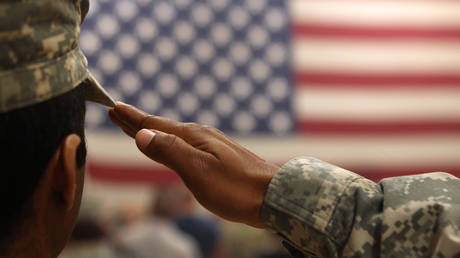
[[143, 138]]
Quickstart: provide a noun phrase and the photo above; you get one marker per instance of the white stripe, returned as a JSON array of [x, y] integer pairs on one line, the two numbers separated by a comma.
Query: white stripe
[[389, 151], [417, 14], [377, 56], [378, 105], [114, 148]]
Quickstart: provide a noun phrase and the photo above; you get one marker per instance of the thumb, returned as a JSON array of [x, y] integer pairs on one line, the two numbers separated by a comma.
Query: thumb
[[169, 150]]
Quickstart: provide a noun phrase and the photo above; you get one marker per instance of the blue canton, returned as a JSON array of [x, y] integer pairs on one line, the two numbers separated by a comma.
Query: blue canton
[[217, 62]]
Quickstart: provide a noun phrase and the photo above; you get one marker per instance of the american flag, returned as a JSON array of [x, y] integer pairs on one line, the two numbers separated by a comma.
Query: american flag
[[372, 86]]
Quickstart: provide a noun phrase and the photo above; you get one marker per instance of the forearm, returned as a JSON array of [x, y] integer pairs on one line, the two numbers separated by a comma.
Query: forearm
[[313, 205]]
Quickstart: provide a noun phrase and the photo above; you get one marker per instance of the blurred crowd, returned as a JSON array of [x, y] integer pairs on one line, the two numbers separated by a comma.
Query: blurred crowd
[[173, 226]]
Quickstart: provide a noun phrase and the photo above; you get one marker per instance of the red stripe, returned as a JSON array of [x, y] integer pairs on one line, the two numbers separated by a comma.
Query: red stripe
[[337, 79], [131, 174], [381, 33], [157, 176], [376, 174], [385, 127]]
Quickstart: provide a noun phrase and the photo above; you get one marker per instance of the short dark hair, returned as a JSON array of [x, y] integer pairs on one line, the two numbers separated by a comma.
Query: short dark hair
[[28, 139]]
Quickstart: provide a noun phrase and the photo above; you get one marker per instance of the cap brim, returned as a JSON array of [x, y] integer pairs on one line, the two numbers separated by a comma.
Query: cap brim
[[95, 93]]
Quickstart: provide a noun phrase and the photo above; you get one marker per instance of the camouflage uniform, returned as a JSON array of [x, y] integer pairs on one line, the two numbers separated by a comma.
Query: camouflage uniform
[[325, 211], [39, 54]]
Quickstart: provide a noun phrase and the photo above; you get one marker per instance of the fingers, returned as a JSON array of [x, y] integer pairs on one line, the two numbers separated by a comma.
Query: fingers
[[137, 119], [173, 152], [126, 128], [131, 120], [129, 115]]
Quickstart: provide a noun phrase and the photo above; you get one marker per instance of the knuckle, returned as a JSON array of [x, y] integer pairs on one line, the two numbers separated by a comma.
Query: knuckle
[[165, 141], [208, 128], [170, 140], [192, 127], [212, 130], [145, 121], [217, 131]]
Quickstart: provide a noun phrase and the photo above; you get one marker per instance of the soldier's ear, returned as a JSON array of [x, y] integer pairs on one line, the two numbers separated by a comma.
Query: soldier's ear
[[65, 172]]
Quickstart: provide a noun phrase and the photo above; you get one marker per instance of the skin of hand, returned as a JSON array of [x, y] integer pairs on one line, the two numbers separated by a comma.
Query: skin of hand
[[225, 178]]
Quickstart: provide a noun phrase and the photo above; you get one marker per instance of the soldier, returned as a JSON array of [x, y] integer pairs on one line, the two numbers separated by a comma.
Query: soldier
[[44, 81], [319, 209]]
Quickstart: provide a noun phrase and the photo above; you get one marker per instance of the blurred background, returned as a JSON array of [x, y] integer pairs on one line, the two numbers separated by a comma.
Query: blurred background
[[372, 86]]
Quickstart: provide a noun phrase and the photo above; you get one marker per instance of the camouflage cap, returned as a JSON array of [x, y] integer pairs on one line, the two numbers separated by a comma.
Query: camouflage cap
[[39, 54]]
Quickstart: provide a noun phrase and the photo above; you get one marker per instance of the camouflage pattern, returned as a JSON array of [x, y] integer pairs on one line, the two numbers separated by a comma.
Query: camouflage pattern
[[325, 211], [39, 54]]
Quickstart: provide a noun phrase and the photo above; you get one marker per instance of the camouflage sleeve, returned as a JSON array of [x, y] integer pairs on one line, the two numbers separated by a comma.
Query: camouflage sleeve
[[325, 211]]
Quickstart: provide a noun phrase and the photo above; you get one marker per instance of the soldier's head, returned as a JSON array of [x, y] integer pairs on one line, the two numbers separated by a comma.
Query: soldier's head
[[44, 82]]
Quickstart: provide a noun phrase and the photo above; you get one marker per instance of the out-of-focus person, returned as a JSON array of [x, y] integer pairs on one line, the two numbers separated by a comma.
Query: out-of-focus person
[[206, 232], [203, 227], [156, 235]]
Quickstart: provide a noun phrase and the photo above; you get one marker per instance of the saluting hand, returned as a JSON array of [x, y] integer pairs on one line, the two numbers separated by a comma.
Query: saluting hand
[[225, 178]]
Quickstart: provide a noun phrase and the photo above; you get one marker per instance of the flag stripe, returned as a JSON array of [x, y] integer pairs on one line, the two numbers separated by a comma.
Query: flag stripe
[[131, 174], [369, 81], [153, 175], [422, 149], [376, 174], [423, 14], [310, 126], [380, 33], [385, 105], [386, 58]]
